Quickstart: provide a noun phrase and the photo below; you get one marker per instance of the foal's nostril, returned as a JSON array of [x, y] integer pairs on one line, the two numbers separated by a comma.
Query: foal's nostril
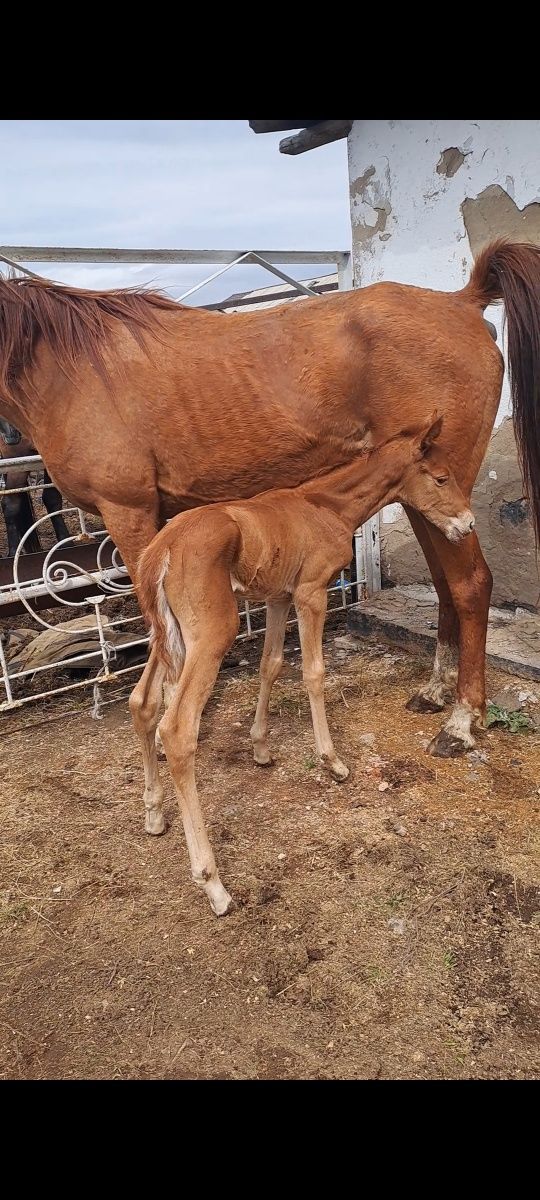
[[471, 524]]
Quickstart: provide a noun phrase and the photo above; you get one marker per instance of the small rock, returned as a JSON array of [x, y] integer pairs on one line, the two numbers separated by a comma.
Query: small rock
[[383, 787], [346, 643], [508, 699], [478, 756], [244, 662], [397, 924], [57, 890], [281, 857], [367, 739]]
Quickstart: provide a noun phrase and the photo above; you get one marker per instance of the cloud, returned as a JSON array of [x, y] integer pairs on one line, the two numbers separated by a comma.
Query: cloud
[[180, 184]]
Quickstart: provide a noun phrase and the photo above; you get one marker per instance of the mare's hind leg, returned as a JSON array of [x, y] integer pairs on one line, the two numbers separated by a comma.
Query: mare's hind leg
[[145, 705], [470, 581], [440, 688], [208, 639], [310, 602], [277, 612]]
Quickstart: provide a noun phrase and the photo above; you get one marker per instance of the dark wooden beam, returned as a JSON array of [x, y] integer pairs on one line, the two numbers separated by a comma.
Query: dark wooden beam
[[318, 135], [243, 299], [280, 126]]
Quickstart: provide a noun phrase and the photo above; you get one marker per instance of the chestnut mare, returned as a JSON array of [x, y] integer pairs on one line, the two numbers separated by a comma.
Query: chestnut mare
[[141, 407]]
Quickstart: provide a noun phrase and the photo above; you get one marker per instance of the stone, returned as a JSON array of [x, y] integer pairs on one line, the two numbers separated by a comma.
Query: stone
[[397, 925]]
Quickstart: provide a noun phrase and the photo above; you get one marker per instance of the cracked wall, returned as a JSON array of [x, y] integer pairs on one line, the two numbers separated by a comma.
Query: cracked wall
[[425, 197]]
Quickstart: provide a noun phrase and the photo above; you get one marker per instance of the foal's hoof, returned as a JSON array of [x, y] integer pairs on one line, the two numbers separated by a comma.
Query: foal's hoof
[[421, 704], [337, 770], [155, 823], [220, 902], [263, 760], [447, 745], [225, 910]]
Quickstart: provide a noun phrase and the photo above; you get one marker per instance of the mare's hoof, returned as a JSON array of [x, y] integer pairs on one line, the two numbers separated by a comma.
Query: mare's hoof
[[421, 704], [447, 745]]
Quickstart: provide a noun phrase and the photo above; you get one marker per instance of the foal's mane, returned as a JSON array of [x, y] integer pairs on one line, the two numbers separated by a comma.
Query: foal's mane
[[74, 323]]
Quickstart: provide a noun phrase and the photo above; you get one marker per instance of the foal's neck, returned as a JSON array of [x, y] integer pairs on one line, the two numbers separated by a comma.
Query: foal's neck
[[358, 489]]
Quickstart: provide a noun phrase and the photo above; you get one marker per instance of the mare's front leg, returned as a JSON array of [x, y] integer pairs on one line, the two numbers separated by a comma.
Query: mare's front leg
[[310, 602], [440, 688], [145, 705], [277, 612], [132, 530]]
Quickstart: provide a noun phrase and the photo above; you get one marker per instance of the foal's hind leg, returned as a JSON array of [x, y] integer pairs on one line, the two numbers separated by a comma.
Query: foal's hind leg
[[180, 729], [145, 704], [440, 688], [470, 581], [277, 612], [310, 603]]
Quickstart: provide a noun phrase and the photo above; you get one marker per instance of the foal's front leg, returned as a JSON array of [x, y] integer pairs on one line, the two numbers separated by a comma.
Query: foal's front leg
[[310, 603], [277, 612]]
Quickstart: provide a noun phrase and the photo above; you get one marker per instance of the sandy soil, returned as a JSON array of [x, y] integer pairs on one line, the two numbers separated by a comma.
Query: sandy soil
[[387, 927]]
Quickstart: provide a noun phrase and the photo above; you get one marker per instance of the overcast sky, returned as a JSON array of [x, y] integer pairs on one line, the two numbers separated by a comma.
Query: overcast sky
[[174, 184]]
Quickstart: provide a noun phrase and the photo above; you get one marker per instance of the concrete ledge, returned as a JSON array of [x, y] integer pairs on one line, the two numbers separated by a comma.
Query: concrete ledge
[[407, 616]]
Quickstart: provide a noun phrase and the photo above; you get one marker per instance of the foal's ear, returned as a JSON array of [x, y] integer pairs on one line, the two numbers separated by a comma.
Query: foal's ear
[[429, 434]]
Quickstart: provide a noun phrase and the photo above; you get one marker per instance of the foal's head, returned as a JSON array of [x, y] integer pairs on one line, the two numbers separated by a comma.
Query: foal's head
[[429, 485]]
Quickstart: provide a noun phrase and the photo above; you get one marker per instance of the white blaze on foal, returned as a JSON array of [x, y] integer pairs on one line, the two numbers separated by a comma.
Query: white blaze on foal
[[282, 546]]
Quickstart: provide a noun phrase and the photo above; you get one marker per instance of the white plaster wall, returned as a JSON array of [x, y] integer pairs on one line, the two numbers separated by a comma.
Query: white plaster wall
[[424, 240], [408, 226]]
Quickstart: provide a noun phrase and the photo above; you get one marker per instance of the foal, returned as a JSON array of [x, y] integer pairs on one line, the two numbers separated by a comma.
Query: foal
[[281, 546]]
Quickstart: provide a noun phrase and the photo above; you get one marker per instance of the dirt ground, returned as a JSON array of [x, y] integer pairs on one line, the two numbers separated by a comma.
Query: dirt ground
[[385, 928]]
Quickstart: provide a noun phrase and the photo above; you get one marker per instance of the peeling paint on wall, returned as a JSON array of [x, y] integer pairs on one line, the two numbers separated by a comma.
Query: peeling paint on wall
[[495, 214], [370, 200], [446, 188], [450, 161]]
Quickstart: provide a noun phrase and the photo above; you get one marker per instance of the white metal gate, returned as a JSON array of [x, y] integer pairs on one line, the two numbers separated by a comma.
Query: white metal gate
[[96, 600]]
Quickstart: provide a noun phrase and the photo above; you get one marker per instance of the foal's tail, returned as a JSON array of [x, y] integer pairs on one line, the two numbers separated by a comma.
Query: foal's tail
[[165, 633], [510, 271]]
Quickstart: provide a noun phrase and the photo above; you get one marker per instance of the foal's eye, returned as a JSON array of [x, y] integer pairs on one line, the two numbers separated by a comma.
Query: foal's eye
[[441, 480]]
